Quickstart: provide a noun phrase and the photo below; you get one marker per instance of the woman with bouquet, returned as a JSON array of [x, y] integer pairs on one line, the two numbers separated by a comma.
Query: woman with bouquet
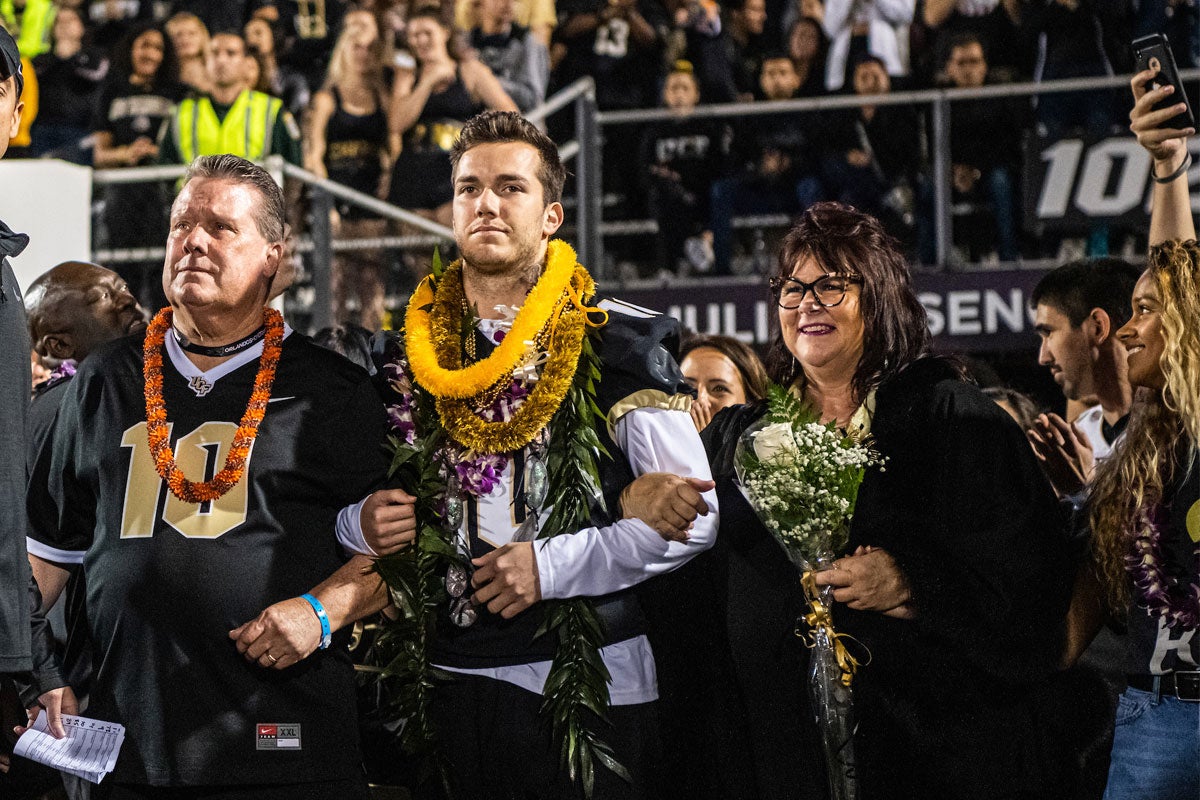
[[956, 577]]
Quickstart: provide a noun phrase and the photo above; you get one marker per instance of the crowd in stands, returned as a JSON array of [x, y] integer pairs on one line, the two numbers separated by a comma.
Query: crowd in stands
[[380, 88]]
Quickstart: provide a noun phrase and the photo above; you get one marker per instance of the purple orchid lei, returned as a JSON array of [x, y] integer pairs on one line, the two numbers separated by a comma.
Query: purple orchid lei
[[66, 369], [477, 474], [1177, 602]]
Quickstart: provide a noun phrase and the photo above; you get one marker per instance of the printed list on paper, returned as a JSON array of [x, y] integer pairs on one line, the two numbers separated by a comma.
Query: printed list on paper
[[89, 750]]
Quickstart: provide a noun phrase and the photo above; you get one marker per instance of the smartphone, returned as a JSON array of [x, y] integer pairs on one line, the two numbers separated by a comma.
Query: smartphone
[[1151, 52]]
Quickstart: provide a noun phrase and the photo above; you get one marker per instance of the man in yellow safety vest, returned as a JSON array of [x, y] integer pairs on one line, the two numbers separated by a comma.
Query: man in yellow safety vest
[[231, 118], [29, 22]]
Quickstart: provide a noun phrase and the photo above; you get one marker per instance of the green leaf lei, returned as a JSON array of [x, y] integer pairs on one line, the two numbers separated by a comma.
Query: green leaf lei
[[577, 686]]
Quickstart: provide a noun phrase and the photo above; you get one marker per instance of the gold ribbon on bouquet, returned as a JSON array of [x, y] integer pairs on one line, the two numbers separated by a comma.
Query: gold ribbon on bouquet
[[818, 618]]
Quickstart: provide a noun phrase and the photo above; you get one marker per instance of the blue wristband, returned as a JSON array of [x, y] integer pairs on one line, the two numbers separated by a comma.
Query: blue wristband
[[319, 610]]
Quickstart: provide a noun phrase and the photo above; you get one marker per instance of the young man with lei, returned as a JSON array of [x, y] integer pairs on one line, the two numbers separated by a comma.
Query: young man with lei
[[549, 407], [195, 474]]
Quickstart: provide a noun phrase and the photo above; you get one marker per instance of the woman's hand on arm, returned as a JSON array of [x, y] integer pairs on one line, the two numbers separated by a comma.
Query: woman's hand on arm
[[106, 155]]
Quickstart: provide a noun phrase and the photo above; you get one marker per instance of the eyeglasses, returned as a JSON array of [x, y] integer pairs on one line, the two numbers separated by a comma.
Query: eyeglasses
[[828, 290]]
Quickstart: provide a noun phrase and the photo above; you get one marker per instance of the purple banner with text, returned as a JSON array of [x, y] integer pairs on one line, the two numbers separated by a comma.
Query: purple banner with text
[[968, 312]]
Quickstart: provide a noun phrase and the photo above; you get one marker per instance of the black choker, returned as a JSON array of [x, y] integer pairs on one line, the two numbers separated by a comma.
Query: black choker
[[225, 349]]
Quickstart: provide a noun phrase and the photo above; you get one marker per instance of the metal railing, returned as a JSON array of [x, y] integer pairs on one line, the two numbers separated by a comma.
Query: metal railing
[[938, 99]]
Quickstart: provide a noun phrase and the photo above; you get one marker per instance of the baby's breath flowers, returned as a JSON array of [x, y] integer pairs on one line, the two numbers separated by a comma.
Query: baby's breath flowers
[[802, 477]]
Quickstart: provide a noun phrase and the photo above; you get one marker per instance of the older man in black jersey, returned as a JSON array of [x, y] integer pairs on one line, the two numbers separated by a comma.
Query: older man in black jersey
[[196, 477]]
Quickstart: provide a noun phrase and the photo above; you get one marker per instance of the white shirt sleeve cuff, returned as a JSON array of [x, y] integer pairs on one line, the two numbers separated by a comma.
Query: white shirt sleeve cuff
[[349, 530], [53, 554]]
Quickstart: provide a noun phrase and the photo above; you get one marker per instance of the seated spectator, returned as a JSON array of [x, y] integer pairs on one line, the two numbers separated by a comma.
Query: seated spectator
[[619, 44], [348, 142], [727, 52], [518, 59], [136, 101], [985, 146], [724, 371], [995, 23], [874, 154], [430, 103], [680, 159], [189, 38], [537, 16], [69, 78], [275, 78], [1070, 39], [778, 175], [855, 29], [808, 48]]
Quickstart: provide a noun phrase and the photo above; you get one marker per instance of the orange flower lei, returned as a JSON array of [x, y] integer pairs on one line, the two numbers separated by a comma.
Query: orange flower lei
[[156, 412]]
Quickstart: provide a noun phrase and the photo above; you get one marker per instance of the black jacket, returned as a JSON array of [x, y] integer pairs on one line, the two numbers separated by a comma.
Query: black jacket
[[14, 404], [953, 704]]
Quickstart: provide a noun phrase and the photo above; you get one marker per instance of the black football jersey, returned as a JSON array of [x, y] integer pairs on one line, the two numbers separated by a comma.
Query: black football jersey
[[167, 580], [637, 350]]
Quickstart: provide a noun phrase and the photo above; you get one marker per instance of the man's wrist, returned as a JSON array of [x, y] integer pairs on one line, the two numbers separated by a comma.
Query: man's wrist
[[322, 617]]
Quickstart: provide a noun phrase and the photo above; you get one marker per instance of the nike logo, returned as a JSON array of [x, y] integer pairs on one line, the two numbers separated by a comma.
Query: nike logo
[[281, 399]]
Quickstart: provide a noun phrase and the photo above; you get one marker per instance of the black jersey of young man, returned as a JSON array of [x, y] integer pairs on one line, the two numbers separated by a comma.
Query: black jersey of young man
[[168, 580], [637, 351]]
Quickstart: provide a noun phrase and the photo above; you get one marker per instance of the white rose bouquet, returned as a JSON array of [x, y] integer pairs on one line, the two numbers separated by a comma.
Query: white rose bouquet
[[802, 479]]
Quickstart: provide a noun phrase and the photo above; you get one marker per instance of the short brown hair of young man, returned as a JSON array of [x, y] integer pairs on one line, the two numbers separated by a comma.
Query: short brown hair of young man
[[499, 127]]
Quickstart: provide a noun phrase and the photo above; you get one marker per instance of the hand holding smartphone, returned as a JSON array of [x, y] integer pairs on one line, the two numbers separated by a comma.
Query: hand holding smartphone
[[1153, 52]]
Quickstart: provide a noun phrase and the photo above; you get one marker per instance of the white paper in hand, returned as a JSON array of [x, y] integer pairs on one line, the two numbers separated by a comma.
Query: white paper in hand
[[89, 750]]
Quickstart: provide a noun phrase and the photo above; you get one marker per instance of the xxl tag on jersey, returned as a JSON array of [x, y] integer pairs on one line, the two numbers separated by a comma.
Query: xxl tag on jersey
[[277, 736]]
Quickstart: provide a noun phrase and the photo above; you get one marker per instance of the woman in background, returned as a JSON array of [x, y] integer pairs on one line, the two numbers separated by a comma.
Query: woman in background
[[348, 142], [69, 78], [189, 37], [139, 97], [724, 372], [430, 104], [274, 78]]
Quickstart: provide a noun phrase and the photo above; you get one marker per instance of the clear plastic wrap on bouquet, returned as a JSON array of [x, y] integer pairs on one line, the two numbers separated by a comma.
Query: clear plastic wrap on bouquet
[[791, 473]]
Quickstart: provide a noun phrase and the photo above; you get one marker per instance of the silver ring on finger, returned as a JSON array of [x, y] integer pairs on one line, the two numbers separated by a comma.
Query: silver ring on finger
[[272, 659]]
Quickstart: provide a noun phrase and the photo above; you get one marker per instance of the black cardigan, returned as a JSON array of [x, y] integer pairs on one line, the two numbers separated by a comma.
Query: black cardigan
[[953, 703]]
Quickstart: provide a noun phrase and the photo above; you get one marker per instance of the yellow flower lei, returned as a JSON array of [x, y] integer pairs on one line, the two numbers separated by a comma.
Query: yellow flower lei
[[435, 352], [436, 366]]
